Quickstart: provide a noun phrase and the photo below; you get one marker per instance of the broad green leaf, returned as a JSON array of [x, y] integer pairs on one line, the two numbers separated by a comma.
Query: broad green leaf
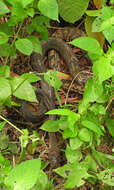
[[42, 180], [51, 126], [110, 126], [36, 44], [107, 176], [5, 89], [84, 135], [64, 170], [75, 143], [102, 69], [72, 10], [109, 34], [68, 133], [49, 8], [30, 11], [63, 112], [24, 45], [76, 176], [93, 90], [19, 11], [3, 38], [90, 162], [98, 109], [92, 126], [4, 71], [30, 77], [3, 8], [12, 21], [93, 13], [24, 175], [26, 2], [22, 89], [73, 155], [89, 44], [42, 30]]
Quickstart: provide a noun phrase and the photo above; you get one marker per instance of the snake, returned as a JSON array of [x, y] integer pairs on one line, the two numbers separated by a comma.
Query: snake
[[46, 92]]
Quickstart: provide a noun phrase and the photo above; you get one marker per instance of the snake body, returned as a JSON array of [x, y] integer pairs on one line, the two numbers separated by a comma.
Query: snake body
[[46, 93]]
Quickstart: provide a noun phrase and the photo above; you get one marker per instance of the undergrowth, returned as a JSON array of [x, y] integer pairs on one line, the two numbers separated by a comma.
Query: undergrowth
[[85, 129]]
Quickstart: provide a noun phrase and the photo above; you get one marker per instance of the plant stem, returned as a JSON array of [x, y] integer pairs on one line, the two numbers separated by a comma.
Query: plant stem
[[11, 124]]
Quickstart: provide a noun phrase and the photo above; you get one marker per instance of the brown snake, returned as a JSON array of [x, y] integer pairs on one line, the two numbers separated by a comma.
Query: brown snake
[[46, 93]]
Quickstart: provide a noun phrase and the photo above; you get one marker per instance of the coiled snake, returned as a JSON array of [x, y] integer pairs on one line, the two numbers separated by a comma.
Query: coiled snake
[[46, 93]]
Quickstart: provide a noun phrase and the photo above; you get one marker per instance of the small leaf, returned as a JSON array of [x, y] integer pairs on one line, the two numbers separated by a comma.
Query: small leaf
[[72, 155], [3, 38], [102, 69], [93, 90], [89, 44], [3, 8], [92, 126], [2, 124], [52, 79], [84, 135], [24, 175], [49, 8], [24, 46], [75, 143], [107, 176], [51, 126]]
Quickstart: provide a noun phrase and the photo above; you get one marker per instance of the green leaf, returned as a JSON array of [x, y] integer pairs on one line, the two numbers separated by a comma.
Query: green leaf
[[4, 71], [107, 176], [92, 126], [24, 46], [36, 44], [72, 10], [2, 124], [24, 175], [3, 8], [68, 133], [75, 143], [42, 181], [98, 109], [19, 11], [26, 2], [7, 50], [51, 126], [64, 170], [49, 8], [89, 44], [30, 77], [102, 69], [93, 13], [110, 126], [90, 162], [51, 78], [6, 29], [76, 176], [84, 135], [5, 89], [22, 89], [3, 38], [72, 155], [64, 112], [93, 90]]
